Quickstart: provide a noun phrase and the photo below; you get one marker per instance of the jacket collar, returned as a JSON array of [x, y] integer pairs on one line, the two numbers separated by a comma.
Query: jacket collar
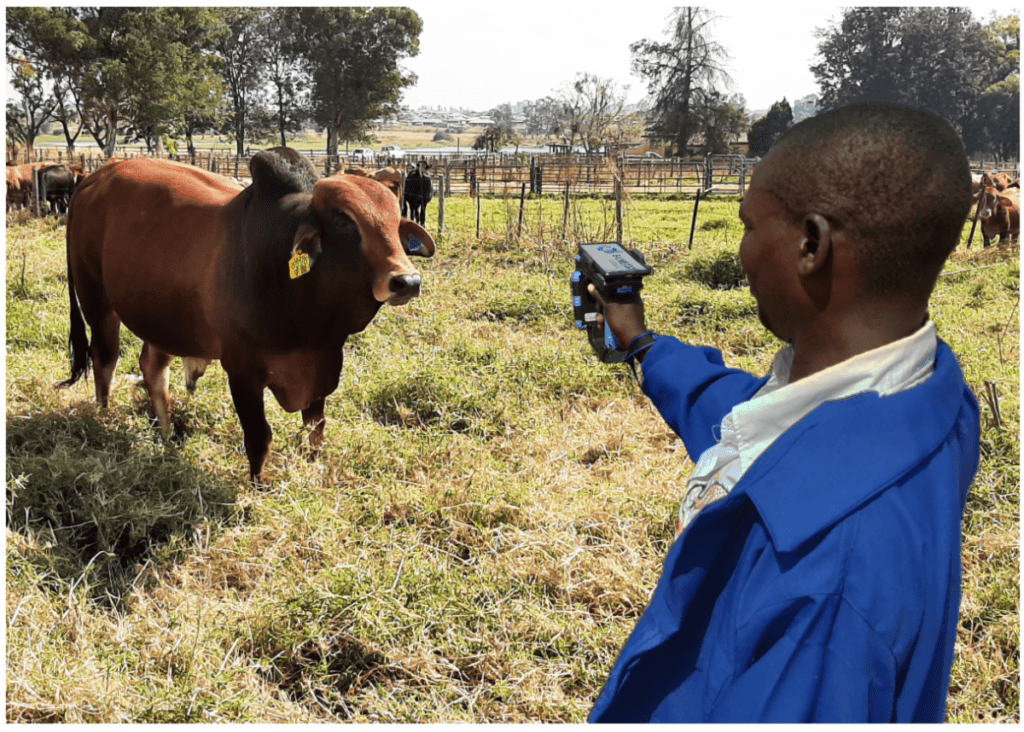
[[799, 497]]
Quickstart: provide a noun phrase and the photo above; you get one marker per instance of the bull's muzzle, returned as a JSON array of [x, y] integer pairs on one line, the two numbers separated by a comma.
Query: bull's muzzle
[[404, 288]]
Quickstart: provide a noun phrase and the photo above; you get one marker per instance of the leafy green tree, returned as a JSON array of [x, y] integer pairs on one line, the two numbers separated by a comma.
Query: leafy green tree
[[128, 71], [286, 71], [682, 74], [722, 120], [765, 131], [26, 118], [198, 96], [992, 125], [930, 58], [244, 54], [353, 56], [58, 45]]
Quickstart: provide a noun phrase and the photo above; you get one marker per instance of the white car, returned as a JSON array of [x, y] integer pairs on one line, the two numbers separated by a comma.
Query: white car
[[392, 151], [363, 154]]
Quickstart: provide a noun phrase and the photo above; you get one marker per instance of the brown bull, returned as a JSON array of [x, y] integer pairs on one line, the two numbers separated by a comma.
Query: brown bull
[[999, 215], [198, 267]]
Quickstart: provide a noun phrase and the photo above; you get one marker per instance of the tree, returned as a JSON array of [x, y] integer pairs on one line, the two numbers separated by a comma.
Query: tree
[[765, 131], [286, 71], [993, 124], [60, 47], [244, 65], [682, 73], [502, 132], [353, 55], [590, 105], [492, 138], [124, 70], [931, 58], [722, 119], [543, 116], [198, 97], [26, 118]]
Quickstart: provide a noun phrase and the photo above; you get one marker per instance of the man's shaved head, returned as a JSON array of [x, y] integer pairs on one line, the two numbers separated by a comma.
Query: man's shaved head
[[896, 181]]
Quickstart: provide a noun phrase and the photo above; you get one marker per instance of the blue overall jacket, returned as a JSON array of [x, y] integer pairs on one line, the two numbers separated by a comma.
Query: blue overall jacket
[[826, 585]]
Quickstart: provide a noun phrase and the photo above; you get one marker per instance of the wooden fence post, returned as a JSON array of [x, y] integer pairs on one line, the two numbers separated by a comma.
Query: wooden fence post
[[565, 214], [522, 202], [618, 201], [478, 217], [440, 206]]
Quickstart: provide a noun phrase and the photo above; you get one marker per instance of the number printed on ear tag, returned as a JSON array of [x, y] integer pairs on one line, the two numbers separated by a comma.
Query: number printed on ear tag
[[298, 265]]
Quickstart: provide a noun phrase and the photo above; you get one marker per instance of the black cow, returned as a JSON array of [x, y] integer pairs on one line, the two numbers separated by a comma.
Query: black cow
[[56, 185], [198, 267], [419, 190]]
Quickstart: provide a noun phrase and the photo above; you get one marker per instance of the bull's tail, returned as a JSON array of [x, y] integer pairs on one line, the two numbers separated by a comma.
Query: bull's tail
[[78, 340]]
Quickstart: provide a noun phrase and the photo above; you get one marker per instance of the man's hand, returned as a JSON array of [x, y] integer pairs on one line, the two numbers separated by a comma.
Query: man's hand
[[625, 321]]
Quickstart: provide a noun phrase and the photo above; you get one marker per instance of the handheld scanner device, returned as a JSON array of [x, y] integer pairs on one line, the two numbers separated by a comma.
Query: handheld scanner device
[[618, 274]]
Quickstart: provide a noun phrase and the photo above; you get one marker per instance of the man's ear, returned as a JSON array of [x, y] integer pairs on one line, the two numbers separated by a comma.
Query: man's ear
[[817, 244]]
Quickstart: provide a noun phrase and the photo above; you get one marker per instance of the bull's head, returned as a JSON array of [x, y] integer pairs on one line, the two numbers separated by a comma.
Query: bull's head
[[387, 240]]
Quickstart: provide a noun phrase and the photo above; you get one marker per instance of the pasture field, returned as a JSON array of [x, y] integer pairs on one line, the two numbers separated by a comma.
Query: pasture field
[[483, 526]]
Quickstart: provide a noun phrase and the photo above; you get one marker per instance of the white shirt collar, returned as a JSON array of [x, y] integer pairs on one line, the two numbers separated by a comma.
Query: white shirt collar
[[755, 424]]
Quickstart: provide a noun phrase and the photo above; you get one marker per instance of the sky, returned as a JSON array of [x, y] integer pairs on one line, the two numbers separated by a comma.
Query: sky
[[478, 59]]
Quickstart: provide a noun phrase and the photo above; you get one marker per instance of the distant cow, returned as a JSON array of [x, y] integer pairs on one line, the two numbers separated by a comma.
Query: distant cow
[[419, 190], [25, 176], [1000, 215], [999, 181], [15, 197], [56, 185], [199, 268], [392, 177]]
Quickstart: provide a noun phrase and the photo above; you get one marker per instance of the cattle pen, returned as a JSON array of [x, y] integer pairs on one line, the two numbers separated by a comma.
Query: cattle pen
[[506, 173]]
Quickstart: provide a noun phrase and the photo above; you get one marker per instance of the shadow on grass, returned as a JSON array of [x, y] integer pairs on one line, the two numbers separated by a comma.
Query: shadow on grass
[[327, 671], [99, 501]]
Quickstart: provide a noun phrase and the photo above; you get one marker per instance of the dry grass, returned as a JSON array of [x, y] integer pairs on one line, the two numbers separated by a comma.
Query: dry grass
[[483, 526]]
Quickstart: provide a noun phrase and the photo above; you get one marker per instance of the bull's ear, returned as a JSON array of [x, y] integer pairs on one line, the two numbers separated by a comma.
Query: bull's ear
[[307, 241], [415, 239]]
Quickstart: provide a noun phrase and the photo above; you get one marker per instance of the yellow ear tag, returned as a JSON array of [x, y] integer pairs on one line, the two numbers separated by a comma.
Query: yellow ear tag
[[298, 265]]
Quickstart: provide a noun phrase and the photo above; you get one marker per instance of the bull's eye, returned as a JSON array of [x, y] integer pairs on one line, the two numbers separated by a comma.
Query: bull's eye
[[343, 219]]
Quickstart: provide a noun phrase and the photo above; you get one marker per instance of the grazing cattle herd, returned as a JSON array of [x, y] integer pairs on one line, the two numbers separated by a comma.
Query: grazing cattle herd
[[269, 278]]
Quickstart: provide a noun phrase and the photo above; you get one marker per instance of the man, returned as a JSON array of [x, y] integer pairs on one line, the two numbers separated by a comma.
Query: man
[[816, 576]]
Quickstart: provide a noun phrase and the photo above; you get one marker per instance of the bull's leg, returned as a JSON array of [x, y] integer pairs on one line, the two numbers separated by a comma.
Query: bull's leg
[[194, 368], [154, 364], [313, 417], [104, 348], [248, 399]]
